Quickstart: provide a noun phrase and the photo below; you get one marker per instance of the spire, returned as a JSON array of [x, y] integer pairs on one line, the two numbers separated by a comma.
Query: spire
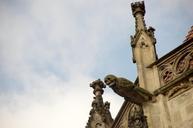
[[190, 35], [138, 10], [98, 86], [143, 47], [100, 115]]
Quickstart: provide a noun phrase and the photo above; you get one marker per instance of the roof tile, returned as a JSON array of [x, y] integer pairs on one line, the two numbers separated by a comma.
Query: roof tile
[[190, 35]]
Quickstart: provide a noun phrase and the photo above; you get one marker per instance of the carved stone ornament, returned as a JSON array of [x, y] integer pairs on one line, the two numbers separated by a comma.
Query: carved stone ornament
[[136, 118], [100, 116], [180, 87], [183, 62], [128, 90], [176, 66], [167, 73], [99, 125]]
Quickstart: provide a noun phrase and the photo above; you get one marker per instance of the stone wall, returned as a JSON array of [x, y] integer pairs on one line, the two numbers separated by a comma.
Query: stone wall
[[181, 106]]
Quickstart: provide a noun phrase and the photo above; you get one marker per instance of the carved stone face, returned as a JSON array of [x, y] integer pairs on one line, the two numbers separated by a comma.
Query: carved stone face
[[110, 80]]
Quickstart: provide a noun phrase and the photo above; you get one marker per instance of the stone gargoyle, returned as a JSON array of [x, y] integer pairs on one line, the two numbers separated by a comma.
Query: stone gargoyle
[[128, 90]]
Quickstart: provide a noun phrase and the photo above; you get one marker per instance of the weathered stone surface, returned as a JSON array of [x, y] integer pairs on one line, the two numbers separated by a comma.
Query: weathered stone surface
[[136, 117], [100, 116], [128, 90], [189, 109], [181, 109]]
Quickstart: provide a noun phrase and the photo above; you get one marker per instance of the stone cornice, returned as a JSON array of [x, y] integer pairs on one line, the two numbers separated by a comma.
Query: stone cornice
[[167, 87]]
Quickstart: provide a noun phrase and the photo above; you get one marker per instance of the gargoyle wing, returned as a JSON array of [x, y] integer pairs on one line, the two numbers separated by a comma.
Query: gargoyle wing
[[122, 82]]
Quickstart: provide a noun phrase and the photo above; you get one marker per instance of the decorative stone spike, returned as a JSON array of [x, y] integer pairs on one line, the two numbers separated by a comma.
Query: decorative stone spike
[[98, 86], [100, 115], [138, 10], [138, 7]]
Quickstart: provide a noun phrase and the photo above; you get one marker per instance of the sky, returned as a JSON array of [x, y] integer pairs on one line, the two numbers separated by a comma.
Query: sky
[[51, 50]]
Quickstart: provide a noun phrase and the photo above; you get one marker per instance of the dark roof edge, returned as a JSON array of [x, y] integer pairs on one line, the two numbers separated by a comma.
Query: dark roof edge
[[171, 52], [119, 113]]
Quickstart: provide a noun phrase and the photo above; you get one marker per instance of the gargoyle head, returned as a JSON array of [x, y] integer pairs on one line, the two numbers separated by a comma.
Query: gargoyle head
[[110, 80]]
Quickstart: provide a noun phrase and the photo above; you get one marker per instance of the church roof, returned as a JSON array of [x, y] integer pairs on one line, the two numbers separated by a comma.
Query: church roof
[[173, 58], [190, 35], [186, 42]]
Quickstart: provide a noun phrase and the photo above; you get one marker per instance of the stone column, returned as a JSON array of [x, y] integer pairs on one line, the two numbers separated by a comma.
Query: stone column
[[144, 53]]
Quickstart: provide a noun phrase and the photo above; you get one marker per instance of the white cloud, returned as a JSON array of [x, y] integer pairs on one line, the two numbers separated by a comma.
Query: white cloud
[[49, 48], [48, 106]]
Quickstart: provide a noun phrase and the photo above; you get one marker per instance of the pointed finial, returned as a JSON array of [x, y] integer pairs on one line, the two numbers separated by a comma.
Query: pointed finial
[[138, 10], [98, 86], [138, 7]]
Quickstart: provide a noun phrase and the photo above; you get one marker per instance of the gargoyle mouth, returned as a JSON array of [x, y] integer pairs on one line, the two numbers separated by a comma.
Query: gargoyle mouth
[[110, 80], [110, 83]]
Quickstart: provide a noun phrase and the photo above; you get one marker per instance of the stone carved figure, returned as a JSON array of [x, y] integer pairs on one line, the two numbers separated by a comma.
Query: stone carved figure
[[127, 89], [136, 118]]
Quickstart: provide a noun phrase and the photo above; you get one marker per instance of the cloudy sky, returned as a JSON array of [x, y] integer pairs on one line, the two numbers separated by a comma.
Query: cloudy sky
[[50, 50]]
